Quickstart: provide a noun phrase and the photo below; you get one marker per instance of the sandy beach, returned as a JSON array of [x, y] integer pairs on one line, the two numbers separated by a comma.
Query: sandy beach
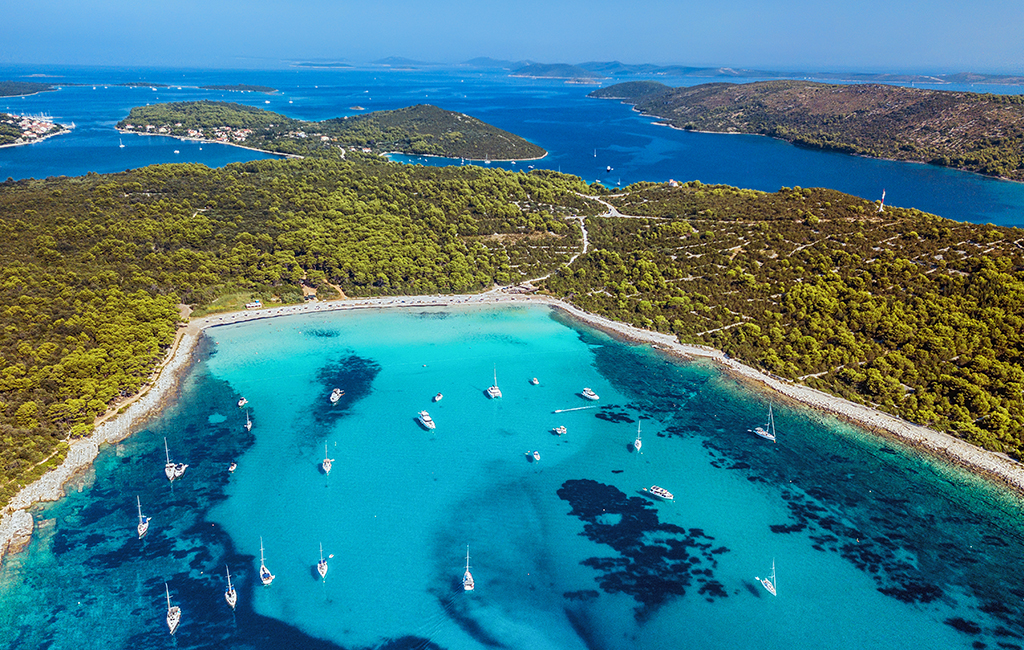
[[17, 523]]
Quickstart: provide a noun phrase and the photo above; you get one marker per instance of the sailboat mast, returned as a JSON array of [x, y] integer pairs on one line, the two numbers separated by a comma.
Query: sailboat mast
[[138, 501], [168, 595], [167, 453]]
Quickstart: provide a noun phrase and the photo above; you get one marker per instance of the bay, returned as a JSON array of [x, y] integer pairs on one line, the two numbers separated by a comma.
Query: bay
[[875, 546], [584, 136]]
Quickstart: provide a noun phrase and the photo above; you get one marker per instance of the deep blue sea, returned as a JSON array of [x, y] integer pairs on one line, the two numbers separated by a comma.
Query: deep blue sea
[[584, 136], [874, 546]]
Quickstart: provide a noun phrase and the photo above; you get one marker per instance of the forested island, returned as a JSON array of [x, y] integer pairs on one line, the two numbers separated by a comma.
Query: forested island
[[917, 315], [420, 130], [16, 88], [983, 133]]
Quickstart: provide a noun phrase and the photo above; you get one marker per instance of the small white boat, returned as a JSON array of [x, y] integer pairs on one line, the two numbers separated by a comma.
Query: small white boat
[[767, 431], [143, 526], [248, 422], [321, 566], [173, 612], [467, 577], [229, 594], [242, 402], [176, 151], [560, 430], [536, 455], [119, 140], [438, 397], [494, 391], [336, 395], [608, 168], [169, 467], [179, 470], [589, 394], [636, 443], [266, 577], [425, 420], [233, 466], [659, 492], [769, 582], [534, 381], [327, 462]]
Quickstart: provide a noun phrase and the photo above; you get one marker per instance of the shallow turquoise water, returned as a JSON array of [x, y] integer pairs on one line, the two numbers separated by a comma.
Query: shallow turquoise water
[[875, 547]]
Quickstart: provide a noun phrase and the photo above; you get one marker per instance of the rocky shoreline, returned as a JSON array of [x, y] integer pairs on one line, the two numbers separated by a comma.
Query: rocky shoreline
[[17, 523]]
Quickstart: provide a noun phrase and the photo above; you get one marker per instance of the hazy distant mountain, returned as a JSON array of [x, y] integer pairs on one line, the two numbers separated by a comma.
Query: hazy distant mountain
[[556, 71], [400, 62], [501, 64]]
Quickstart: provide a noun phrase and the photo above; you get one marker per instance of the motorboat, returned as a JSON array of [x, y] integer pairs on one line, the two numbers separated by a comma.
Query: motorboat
[[659, 492], [233, 466], [336, 395], [534, 381], [425, 420], [559, 430], [242, 402], [438, 397], [589, 394], [179, 470]]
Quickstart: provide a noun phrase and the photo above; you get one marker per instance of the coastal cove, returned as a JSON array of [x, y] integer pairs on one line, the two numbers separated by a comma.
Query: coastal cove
[[694, 419]]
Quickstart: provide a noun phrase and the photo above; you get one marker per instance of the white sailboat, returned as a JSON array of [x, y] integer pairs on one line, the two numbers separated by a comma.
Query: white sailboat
[[248, 422], [327, 462], [769, 583], [767, 431], [494, 391], [467, 577], [169, 467], [122, 143], [143, 526], [266, 577], [173, 612], [636, 443], [230, 594], [321, 566]]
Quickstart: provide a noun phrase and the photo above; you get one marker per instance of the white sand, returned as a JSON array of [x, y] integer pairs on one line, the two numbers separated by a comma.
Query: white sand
[[16, 525]]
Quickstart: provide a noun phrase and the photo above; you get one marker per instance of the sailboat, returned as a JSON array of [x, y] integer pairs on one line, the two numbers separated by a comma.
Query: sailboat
[[327, 462], [321, 566], [122, 143], [467, 577], [636, 443], [494, 391], [230, 594], [767, 431], [248, 422], [769, 583], [265, 575], [143, 526], [173, 612], [169, 467]]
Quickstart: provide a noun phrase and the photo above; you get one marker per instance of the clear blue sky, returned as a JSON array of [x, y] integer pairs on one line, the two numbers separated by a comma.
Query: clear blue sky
[[815, 35]]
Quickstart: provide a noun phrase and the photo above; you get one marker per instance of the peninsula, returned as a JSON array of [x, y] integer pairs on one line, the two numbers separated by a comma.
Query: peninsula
[[421, 130], [982, 133], [27, 129]]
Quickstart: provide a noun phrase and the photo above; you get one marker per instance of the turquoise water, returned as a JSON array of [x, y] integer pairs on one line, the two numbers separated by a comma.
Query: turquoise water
[[583, 136], [875, 546]]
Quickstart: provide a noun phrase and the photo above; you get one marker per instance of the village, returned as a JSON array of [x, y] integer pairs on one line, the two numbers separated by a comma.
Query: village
[[26, 129]]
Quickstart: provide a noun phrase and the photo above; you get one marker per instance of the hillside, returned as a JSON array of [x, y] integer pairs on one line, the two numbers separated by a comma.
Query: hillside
[[421, 129], [556, 71], [975, 132], [15, 88]]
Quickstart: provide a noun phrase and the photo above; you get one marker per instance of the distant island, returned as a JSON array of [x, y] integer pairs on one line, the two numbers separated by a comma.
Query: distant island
[[18, 88], [982, 133], [557, 71], [418, 130], [245, 88], [142, 84]]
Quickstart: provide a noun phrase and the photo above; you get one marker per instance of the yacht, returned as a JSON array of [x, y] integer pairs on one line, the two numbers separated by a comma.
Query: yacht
[[242, 402], [229, 594], [143, 526], [589, 394], [321, 566], [173, 612], [437, 398], [169, 467], [327, 462], [425, 420], [636, 443], [467, 577], [768, 583], [768, 430], [266, 577], [336, 395], [659, 492], [248, 422], [560, 430], [494, 391]]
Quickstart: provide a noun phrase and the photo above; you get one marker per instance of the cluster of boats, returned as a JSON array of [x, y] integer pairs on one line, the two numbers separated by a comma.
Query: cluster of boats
[[173, 470]]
